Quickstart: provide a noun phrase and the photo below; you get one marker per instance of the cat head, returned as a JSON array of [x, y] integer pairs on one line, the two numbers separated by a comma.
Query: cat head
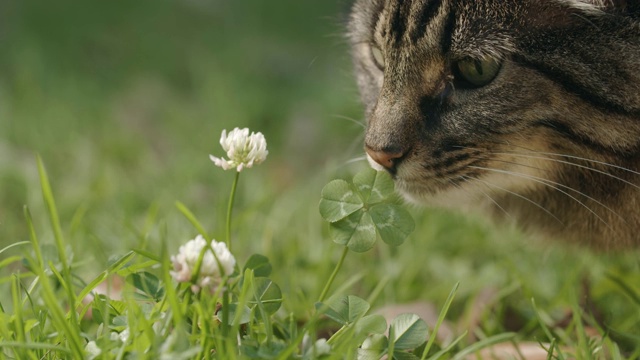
[[488, 98]]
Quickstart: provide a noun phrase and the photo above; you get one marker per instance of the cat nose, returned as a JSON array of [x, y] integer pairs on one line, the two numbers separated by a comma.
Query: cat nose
[[389, 159]]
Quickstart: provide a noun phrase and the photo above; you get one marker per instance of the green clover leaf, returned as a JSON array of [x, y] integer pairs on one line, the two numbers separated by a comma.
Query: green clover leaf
[[349, 311], [373, 186], [345, 309], [373, 347], [393, 223], [361, 212], [371, 324], [339, 200], [259, 264], [356, 231], [409, 331], [265, 294], [148, 284]]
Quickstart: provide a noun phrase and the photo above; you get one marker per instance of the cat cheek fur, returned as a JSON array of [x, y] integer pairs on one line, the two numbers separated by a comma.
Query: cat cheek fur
[[553, 140]]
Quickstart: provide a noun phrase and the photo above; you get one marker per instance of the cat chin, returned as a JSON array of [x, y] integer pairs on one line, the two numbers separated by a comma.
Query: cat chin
[[469, 196], [451, 198]]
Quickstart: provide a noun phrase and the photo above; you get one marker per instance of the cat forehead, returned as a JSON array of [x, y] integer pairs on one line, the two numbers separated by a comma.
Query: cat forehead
[[477, 28], [590, 6], [480, 29]]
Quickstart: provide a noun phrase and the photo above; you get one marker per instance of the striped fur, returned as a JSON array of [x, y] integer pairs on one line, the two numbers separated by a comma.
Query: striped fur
[[553, 141]]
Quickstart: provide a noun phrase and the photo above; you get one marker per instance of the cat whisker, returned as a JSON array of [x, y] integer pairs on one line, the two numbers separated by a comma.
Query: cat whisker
[[518, 196], [593, 161], [458, 186], [355, 160], [350, 161], [556, 186], [574, 157], [514, 163], [355, 121], [547, 158], [313, 61], [568, 163], [587, 21], [466, 179], [356, 147]]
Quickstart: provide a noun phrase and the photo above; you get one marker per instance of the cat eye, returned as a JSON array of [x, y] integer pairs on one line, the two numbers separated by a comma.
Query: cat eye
[[378, 57], [476, 72]]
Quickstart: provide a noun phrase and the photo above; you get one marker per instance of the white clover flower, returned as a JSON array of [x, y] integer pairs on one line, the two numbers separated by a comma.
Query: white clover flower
[[92, 349], [243, 150], [185, 263], [122, 336], [317, 350]]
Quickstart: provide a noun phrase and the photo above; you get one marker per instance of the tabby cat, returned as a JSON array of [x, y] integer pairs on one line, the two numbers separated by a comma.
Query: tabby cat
[[529, 109]]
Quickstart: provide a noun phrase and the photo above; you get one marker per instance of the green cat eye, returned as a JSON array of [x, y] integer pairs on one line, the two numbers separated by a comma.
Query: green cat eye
[[478, 72], [378, 57]]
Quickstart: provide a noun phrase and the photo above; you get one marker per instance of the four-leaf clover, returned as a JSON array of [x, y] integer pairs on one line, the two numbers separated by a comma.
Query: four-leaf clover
[[363, 210]]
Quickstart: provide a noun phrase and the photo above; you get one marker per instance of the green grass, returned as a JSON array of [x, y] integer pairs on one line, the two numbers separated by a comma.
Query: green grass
[[124, 101]]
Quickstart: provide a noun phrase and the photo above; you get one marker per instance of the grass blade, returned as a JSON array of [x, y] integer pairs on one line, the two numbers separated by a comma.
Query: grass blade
[[440, 353], [17, 312], [148, 254], [55, 312], [546, 330], [484, 343], [20, 243], [47, 195], [583, 342], [171, 294], [626, 288], [10, 260], [378, 289], [34, 240], [443, 313], [103, 276], [551, 348], [34, 346], [192, 219]]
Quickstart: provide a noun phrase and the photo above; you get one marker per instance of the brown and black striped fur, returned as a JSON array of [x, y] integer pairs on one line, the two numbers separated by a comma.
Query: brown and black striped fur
[[553, 141]]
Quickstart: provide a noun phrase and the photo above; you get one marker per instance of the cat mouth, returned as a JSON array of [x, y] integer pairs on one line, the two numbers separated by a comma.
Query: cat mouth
[[443, 174], [386, 160], [439, 192]]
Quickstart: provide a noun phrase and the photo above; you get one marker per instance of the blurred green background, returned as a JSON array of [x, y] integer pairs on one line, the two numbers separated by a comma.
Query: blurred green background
[[124, 100]]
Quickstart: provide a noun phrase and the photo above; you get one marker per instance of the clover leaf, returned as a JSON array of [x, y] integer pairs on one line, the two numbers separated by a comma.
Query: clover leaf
[[357, 231], [339, 200], [373, 186], [364, 210], [266, 295], [345, 309], [393, 222], [350, 312], [409, 331]]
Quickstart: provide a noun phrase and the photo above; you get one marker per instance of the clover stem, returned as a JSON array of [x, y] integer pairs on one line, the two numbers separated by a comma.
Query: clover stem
[[230, 208], [333, 275]]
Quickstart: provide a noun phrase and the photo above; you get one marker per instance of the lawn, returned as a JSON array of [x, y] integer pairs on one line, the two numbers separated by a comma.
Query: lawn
[[124, 101]]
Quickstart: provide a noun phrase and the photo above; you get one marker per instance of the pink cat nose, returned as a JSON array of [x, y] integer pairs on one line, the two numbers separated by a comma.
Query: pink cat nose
[[388, 159]]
